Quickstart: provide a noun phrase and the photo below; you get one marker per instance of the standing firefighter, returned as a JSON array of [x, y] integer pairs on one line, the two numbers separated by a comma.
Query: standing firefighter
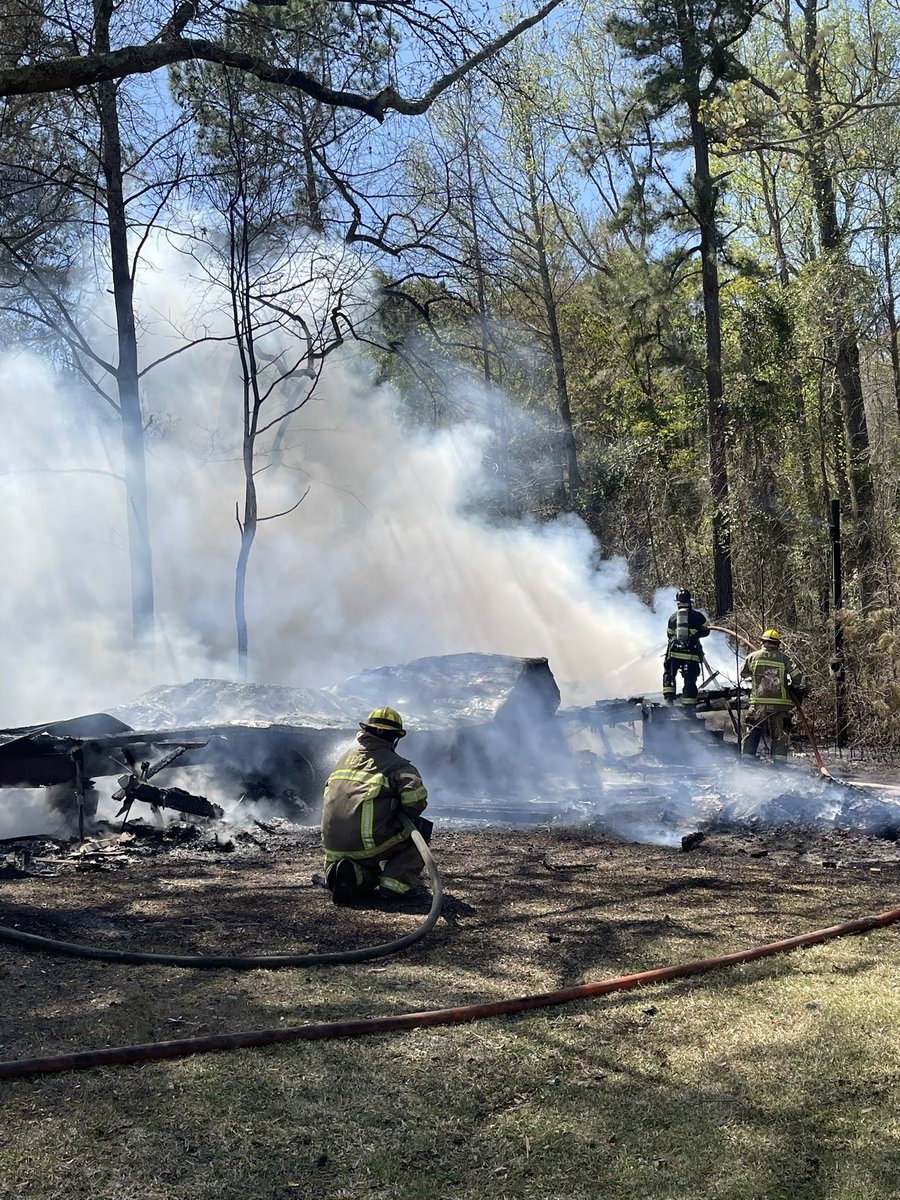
[[775, 680], [367, 848], [687, 625]]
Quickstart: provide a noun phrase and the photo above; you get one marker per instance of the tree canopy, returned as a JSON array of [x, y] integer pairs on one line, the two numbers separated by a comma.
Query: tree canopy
[[651, 250], [150, 38]]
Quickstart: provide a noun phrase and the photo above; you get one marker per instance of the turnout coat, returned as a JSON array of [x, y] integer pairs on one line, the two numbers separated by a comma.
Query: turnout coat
[[686, 648], [365, 793], [773, 676]]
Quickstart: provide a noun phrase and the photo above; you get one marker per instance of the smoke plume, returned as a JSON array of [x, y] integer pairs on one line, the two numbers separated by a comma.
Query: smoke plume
[[384, 560]]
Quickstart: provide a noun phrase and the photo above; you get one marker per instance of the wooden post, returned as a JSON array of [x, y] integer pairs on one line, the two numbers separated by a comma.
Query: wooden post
[[836, 665], [78, 757]]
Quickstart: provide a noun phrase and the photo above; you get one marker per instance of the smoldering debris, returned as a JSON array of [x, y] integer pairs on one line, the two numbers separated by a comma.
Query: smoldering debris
[[432, 693], [809, 802], [228, 750], [113, 847], [132, 788], [454, 689], [691, 840], [223, 702], [487, 733]]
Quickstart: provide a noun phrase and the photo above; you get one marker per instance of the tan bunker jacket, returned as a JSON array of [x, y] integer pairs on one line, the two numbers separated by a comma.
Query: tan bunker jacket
[[365, 793], [773, 675]]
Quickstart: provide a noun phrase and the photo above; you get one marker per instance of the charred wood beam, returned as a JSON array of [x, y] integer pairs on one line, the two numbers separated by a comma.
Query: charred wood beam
[[175, 798]]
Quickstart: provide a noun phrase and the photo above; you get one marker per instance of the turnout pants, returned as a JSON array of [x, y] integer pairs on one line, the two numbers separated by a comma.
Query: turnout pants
[[397, 871], [774, 723], [691, 673]]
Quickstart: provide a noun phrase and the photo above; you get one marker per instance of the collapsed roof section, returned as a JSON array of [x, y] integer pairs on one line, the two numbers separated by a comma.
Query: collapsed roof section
[[430, 694], [446, 690], [219, 702], [250, 741], [489, 738]]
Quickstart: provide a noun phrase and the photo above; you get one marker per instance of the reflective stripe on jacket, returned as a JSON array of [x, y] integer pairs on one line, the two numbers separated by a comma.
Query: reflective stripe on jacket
[[364, 796], [699, 627], [771, 673]]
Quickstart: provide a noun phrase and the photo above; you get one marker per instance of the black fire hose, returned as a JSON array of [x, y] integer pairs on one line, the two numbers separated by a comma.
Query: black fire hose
[[184, 1047], [245, 962]]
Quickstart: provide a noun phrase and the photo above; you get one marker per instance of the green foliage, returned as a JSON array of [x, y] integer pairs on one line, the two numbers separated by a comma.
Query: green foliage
[[536, 240], [686, 48], [343, 45]]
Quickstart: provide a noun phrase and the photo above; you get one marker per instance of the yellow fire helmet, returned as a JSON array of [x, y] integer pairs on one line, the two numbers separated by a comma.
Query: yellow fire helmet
[[386, 719], [771, 635]]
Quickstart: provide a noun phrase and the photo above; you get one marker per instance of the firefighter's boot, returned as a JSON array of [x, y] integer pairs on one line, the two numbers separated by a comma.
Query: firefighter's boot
[[343, 881]]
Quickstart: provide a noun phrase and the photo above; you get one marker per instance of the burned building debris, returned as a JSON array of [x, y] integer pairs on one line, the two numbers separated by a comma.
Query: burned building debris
[[275, 745], [489, 737], [68, 760], [65, 758]]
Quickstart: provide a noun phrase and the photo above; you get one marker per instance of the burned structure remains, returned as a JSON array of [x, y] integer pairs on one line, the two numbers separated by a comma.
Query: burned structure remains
[[488, 735], [275, 745]]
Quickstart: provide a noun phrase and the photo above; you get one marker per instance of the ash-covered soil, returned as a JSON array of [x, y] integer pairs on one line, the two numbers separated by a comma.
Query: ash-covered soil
[[526, 910]]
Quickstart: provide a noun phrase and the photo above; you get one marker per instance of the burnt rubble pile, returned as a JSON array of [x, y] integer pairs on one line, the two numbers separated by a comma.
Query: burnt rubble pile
[[220, 702], [484, 725], [488, 735], [112, 847], [481, 723], [478, 721], [457, 689]]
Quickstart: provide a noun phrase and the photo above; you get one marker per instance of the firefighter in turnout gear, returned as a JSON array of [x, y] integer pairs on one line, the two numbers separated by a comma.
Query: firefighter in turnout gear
[[367, 848], [775, 681], [687, 625]]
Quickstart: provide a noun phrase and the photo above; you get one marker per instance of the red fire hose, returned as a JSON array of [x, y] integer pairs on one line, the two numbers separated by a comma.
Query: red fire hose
[[183, 1047]]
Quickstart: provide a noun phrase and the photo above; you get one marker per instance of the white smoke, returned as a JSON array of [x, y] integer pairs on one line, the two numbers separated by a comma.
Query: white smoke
[[385, 560], [382, 562]]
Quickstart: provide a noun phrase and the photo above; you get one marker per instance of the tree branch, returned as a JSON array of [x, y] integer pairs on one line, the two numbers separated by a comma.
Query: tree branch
[[170, 47]]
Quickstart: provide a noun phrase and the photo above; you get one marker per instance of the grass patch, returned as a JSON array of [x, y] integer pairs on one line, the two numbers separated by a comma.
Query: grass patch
[[774, 1081]]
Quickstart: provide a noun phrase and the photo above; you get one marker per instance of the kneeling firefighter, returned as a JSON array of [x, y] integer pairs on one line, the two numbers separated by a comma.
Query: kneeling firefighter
[[775, 682], [367, 847], [687, 625]]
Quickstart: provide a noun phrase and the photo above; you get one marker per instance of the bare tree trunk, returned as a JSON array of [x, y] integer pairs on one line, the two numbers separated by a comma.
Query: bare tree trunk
[[705, 196], [715, 408], [139, 549], [816, 500], [498, 425], [242, 317], [551, 308], [844, 341], [770, 200], [313, 206], [248, 525], [890, 310]]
